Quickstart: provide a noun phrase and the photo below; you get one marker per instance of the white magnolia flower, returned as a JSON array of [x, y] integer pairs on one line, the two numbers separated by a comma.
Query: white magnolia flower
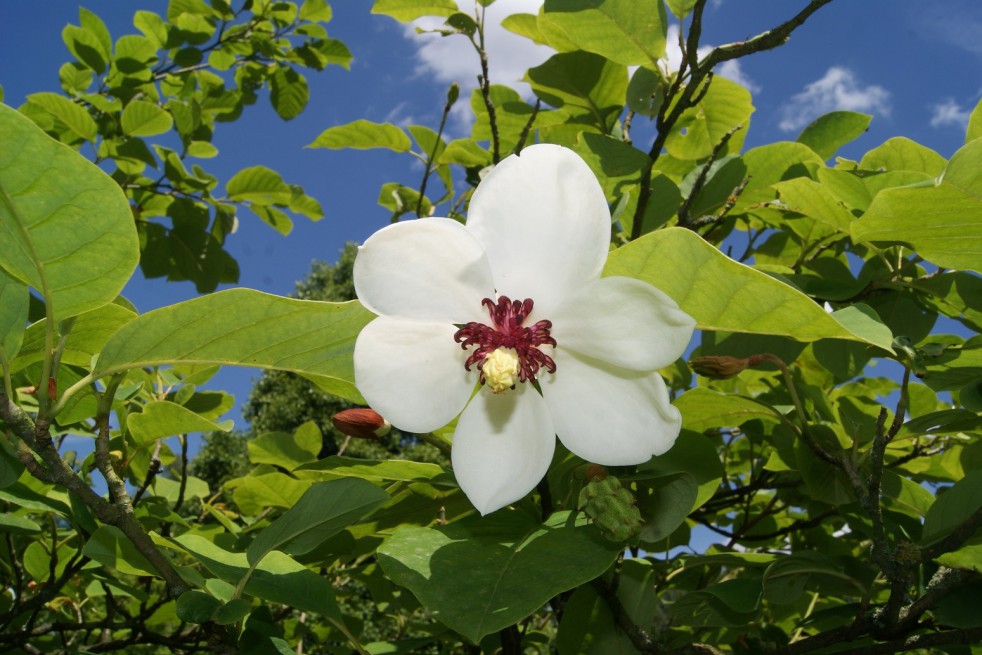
[[512, 299]]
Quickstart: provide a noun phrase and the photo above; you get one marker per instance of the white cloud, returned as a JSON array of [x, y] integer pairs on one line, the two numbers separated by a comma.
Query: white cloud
[[838, 89], [948, 113], [453, 59]]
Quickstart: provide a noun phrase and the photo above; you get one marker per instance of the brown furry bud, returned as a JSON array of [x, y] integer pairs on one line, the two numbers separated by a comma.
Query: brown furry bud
[[361, 423]]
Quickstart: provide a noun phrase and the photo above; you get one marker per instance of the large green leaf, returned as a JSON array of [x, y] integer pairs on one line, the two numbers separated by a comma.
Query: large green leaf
[[89, 334], [259, 185], [703, 409], [14, 298], [363, 134], [387, 470], [110, 547], [407, 10], [65, 226], [725, 106], [278, 578], [73, 115], [325, 509], [826, 134], [902, 154], [242, 327], [285, 450], [581, 83], [162, 418], [953, 507], [628, 32], [142, 118], [481, 574], [720, 293], [943, 224], [288, 92]]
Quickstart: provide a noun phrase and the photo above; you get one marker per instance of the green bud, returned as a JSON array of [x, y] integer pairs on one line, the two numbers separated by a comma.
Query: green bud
[[612, 508]]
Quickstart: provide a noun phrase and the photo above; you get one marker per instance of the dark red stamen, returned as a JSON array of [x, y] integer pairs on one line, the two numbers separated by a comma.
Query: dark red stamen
[[506, 331]]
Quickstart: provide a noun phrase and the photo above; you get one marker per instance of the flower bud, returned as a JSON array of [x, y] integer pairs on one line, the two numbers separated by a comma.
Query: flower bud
[[721, 367], [361, 423], [612, 508]]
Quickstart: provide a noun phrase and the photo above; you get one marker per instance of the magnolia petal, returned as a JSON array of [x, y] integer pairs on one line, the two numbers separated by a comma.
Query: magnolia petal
[[544, 223], [429, 269], [608, 415], [412, 373], [502, 446], [624, 322]]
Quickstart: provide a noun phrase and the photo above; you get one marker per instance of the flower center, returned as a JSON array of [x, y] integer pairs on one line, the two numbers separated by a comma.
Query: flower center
[[507, 349]]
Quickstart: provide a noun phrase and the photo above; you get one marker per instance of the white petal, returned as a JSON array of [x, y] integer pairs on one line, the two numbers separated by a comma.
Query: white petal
[[430, 269], [502, 447], [544, 223], [608, 415], [624, 322], [412, 373]]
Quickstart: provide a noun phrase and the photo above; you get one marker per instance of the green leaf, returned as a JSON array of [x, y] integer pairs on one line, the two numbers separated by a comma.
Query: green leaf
[[863, 321], [703, 409], [110, 547], [968, 557], [14, 524], [259, 185], [629, 32], [773, 163], [805, 196], [142, 118], [826, 134], [152, 26], [693, 454], [161, 418], [787, 578], [681, 8], [363, 134], [388, 470], [645, 92], [278, 579], [256, 493], [287, 450], [409, 10], [73, 115], [974, 130], [242, 327], [720, 293], [953, 507], [325, 509], [86, 46], [195, 606], [943, 224], [288, 92], [581, 82], [902, 154], [14, 298], [664, 503], [89, 334], [315, 10], [526, 25], [507, 564], [54, 203], [734, 602], [700, 129]]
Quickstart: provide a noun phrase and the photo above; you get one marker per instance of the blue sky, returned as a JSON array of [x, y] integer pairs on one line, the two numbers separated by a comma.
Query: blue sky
[[917, 67]]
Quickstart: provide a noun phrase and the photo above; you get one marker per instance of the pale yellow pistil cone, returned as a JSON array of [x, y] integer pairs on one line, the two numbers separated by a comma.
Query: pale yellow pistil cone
[[500, 370]]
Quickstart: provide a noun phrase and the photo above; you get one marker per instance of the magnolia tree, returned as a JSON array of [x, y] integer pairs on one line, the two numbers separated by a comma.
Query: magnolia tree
[[529, 319]]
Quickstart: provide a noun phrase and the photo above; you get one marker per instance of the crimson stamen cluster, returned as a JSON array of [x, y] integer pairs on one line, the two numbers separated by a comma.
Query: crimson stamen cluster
[[507, 331]]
